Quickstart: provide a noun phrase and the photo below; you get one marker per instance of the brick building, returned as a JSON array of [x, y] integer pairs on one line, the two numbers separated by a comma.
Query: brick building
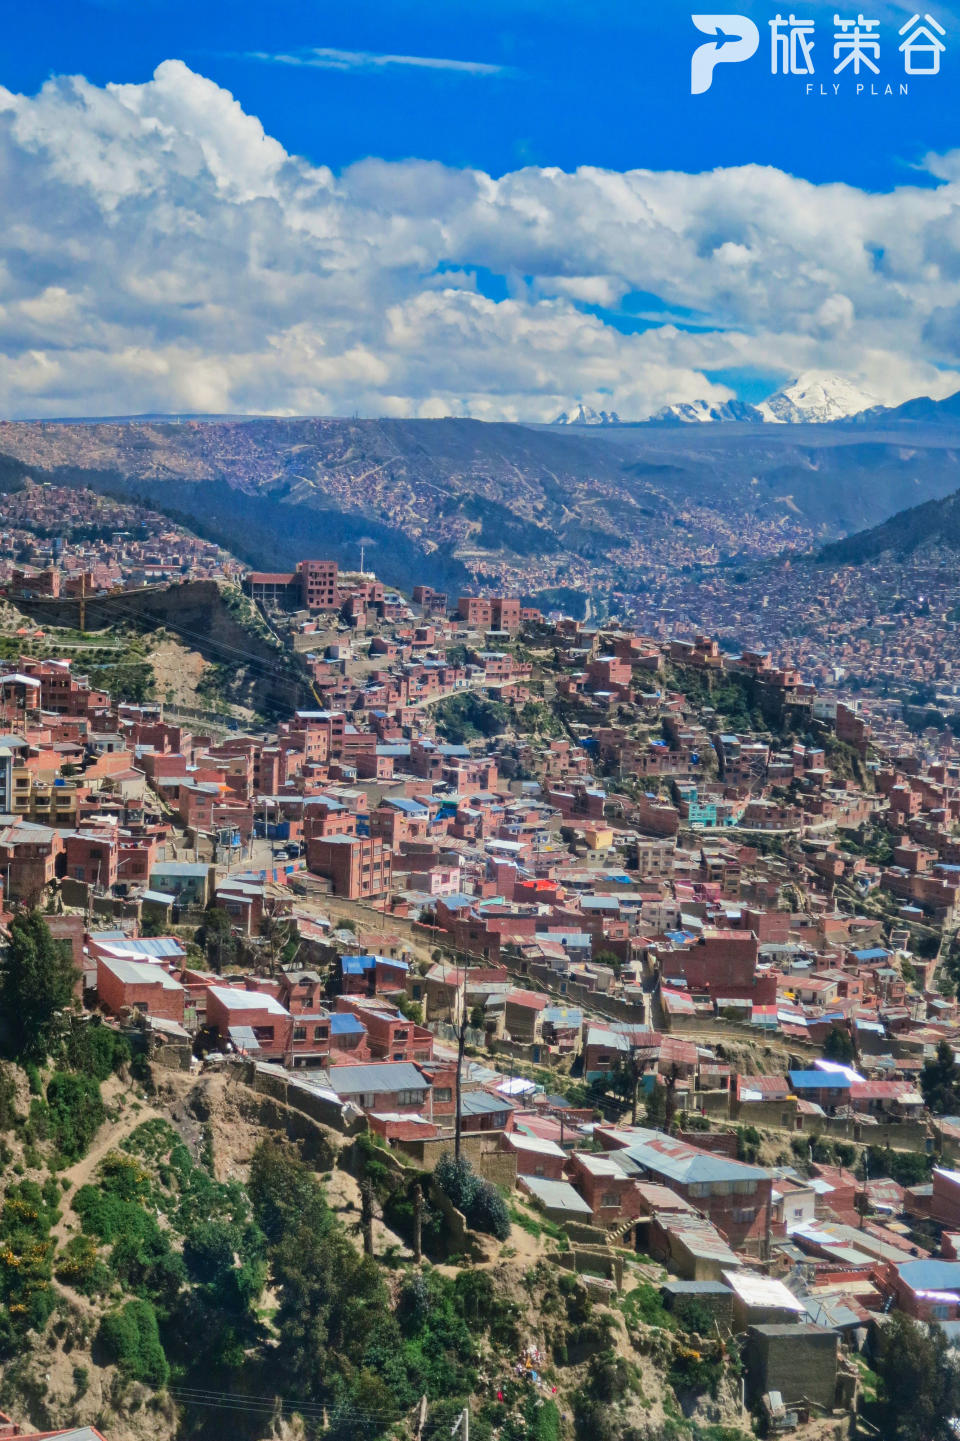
[[356, 866], [734, 1197], [139, 986]]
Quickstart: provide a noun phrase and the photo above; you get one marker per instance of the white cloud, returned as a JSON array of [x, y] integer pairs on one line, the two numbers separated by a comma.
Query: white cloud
[[328, 59], [160, 251]]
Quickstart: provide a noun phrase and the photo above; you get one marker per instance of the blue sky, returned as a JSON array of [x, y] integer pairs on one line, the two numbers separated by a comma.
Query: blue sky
[[600, 83], [376, 207]]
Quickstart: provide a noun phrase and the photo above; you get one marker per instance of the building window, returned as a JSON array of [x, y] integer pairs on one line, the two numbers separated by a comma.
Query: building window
[[408, 1098], [442, 1093], [299, 1033], [609, 1198], [320, 1033], [745, 1216]]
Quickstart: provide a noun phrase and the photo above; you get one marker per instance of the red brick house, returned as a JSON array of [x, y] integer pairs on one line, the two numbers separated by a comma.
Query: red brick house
[[139, 986], [535, 1157], [735, 1197], [610, 1193], [357, 867], [255, 1022]]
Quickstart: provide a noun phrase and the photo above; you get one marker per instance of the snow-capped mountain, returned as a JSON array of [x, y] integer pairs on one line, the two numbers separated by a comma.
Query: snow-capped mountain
[[586, 415], [692, 412], [815, 397]]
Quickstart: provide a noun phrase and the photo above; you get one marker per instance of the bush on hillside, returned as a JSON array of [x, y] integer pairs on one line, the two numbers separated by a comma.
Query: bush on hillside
[[481, 1203], [131, 1338]]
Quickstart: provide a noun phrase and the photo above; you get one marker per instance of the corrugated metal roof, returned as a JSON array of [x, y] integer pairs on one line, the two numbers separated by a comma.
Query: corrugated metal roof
[[557, 1195], [481, 1103], [388, 1076]]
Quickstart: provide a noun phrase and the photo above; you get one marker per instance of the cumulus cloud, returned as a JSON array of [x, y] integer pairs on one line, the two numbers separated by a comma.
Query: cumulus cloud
[[160, 251]]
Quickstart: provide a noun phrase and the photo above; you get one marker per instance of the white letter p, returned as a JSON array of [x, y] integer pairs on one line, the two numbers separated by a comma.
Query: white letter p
[[734, 37]]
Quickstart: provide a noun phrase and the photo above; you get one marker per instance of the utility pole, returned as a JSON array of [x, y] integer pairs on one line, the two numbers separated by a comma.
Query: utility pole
[[418, 1223], [462, 1421], [461, 1046]]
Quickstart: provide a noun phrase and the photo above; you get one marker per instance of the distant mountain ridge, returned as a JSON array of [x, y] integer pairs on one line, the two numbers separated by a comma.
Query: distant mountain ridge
[[705, 412], [562, 514], [586, 415], [814, 398], [934, 523]]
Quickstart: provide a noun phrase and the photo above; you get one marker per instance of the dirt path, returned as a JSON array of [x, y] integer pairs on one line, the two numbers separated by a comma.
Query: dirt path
[[109, 1136]]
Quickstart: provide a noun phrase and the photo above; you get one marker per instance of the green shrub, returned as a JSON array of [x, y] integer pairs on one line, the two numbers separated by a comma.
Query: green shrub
[[79, 1265], [76, 1112], [131, 1338], [97, 1050], [8, 1099], [481, 1203], [692, 1315]]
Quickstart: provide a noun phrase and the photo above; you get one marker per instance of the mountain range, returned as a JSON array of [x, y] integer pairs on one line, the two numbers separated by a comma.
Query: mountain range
[[815, 397], [564, 515]]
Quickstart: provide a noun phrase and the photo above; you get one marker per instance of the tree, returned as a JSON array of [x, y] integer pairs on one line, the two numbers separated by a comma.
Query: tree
[[940, 1082], [838, 1046], [609, 959], [479, 1201], [919, 1381], [36, 984], [657, 1107], [216, 937]]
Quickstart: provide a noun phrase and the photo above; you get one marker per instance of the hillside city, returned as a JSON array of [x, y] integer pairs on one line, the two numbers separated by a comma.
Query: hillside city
[[659, 940]]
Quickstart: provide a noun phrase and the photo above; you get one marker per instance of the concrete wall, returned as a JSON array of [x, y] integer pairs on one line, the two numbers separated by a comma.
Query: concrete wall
[[781, 1115], [593, 1260], [898, 1135], [283, 1087], [480, 1149], [711, 1103], [583, 1234]]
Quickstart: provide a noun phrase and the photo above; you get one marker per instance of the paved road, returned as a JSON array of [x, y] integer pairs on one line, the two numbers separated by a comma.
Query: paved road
[[259, 855]]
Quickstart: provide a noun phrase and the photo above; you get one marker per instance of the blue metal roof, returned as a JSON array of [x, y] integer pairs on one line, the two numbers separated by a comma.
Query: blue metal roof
[[931, 1275], [817, 1080], [356, 965], [343, 1024]]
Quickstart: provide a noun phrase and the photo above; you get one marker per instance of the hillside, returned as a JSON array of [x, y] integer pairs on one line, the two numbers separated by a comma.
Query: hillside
[[171, 1265], [588, 510], [228, 662], [935, 523]]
